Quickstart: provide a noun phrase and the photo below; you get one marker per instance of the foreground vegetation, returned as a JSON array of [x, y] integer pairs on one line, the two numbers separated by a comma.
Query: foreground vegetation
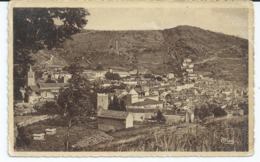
[[208, 137], [184, 137]]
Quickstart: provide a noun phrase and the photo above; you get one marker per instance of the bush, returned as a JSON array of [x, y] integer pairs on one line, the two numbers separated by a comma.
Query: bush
[[49, 107], [23, 138], [160, 118], [244, 106], [219, 112], [202, 112], [112, 76]]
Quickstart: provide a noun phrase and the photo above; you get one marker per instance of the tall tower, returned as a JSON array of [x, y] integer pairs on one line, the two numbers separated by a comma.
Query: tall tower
[[30, 77], [102, 101]]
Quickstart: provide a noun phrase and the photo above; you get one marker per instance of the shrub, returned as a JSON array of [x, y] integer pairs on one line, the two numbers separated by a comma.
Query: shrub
[[49, 107], [219, 112], [23, 138]]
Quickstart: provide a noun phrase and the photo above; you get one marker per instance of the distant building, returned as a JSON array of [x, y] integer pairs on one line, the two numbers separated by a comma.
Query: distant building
[[144, 109], [131, 83], [189, 118], [109, 120], [43, 92], [140, 114], [102, 101], [95, 74], [30, 77], [190, 70], [66, 78], [132, 97], [50, 90], [234, 112], [121, 73], [147, 103], [133, 72], [170, 76], [187, 60]]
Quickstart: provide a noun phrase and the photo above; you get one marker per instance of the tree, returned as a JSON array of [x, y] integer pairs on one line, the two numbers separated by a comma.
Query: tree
[[61, 79], [159, 78], [202, 112], [112, 76], [116, 105], [41, 28], [110, 105], [99, 67], [160, 118], [50, 81], [122, 105], [49, 107], [148, 75], [219, 112], [244, 106], [75, 99]]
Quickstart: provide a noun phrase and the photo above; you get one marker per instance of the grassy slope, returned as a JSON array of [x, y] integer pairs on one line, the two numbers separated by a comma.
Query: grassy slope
[[189, 138], [185, 137]]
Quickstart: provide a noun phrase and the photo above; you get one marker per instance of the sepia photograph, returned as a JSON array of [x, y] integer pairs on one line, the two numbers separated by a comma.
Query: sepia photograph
[[129, 79]]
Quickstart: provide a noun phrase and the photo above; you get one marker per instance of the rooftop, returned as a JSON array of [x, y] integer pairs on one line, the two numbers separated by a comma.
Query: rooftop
[[52, 85], [147, 102]]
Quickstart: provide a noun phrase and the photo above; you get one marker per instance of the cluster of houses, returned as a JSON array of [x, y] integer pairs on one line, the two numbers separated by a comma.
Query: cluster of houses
[[39, 91], [143, 96]]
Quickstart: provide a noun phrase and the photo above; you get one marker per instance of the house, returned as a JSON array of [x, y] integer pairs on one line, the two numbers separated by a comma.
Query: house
[[133, 72], [131, 83], [147, 103], [109, 120], [99, 74], [122, 74], [50, 90], [102, 101], [95, 74], [170, 76], [187, 60], [190, 70], [189, 117], [176, 116], [144, 109], [191, 65], [59, 75], [32, 97], [234, 112], [140, 114]]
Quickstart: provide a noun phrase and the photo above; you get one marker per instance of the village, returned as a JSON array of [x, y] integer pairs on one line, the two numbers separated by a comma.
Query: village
[[133, 98]]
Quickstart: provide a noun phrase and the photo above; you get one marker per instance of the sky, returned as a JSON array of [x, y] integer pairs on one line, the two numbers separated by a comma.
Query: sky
[[232, 21]]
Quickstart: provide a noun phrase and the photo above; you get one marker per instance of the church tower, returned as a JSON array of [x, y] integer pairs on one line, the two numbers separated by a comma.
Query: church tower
[[30, 77]]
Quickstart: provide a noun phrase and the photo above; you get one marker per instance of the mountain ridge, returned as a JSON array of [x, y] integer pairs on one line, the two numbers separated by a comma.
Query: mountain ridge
[[159, 51]]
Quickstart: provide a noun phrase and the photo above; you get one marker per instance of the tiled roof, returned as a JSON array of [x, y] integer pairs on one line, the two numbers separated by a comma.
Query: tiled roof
[[113, 114], [147, 102], [52, 85], [133, 92], [140, 110], [34, 88], [54, 66]]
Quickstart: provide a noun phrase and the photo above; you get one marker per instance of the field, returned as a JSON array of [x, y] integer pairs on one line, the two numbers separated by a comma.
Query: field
[[145, 137]]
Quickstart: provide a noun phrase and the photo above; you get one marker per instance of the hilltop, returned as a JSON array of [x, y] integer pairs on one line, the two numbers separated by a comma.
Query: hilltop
[[160, 50]]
